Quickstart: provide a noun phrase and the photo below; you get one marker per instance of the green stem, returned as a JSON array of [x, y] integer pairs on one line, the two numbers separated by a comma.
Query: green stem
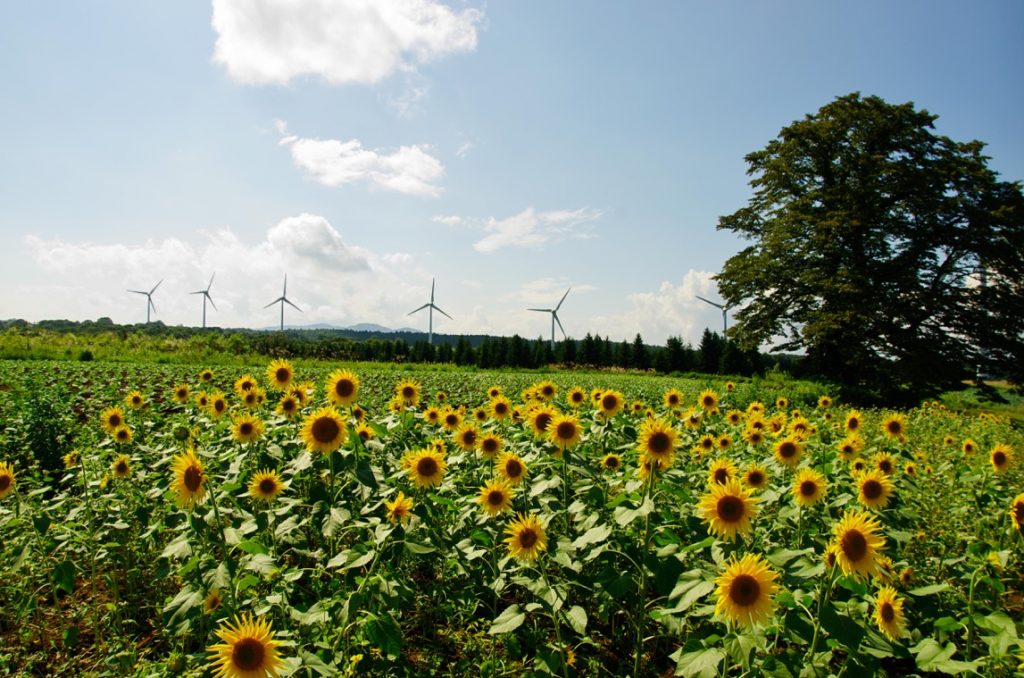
[[227, 557], [642, 590], [823, 595], [968, 651]]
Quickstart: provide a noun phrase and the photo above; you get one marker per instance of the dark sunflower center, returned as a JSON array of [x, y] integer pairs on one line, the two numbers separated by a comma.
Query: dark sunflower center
[[871, 489], [219, 405], [427, 467], [548, 391], [268, 486], [490, 445], [755, 478], [527, 537], [852, 424], [894, 427], [136, 400], [408, 392], [513, 469], [469, 438], [659, 442], [282, 375], [708, 401], [885, 466], [250, 398], [757, 424], [847, 449], [888, 613], [999, 458], [288, 405], [756, 437], [245, 429], [577, 397], [451, 420], [730, 508], [344, 388], [247, 385], [325, 430], [808, 488], [500, 408], [495, 497], [114, 420], [854, 545], [787, 450], [202, 402], [565, 431], [5, 482], [609, 403], [744, 590], [1018, 512], [673, 399], [612, 462], [122, 434], [122, 468], [721, 475], [248, 654], [706, 443], [193, 478], [364, 434], [182, 394]]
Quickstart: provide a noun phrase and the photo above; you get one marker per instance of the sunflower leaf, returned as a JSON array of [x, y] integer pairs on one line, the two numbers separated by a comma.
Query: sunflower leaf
[[928, 590], [509, 620], [577, 618]]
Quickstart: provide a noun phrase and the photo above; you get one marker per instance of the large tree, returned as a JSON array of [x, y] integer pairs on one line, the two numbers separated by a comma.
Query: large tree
[[891, 255]]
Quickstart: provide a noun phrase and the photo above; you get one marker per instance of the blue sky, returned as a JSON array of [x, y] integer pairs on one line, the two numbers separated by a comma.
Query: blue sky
[[511, 149]]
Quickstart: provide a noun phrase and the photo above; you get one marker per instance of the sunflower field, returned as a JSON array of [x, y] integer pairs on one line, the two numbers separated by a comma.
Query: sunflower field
[[174, 520]]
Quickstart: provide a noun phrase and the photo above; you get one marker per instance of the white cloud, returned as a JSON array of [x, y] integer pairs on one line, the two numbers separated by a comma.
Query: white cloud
[[450, 220], [532, 229], [463, 150], [410, 169], [329, 279], [341, 41], [546, 292]]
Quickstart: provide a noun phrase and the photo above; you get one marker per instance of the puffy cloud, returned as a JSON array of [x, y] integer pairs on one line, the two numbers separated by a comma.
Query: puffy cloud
[[450, 220], [332, 281], [341, 41], [532, 229], [410, 169]]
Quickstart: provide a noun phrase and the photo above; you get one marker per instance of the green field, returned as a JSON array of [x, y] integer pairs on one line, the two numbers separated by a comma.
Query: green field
[[644, 547]]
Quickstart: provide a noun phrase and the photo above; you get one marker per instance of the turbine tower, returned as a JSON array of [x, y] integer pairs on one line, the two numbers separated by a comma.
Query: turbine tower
[[554, 318], [283, 299], [430, 313], [149, 299], [207, 297], [725, 309]]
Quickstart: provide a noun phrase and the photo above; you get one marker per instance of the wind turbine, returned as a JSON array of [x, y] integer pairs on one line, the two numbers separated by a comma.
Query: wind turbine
[[725, 309], [554, 318], [430, 314], [206, 296], [283, 299], [149, 299]]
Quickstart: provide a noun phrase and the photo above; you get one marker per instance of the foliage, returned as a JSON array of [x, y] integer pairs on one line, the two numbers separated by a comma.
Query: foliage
[[871, 235]]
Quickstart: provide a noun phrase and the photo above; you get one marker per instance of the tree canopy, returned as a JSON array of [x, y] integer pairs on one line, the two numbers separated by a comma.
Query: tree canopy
[[890, 254]]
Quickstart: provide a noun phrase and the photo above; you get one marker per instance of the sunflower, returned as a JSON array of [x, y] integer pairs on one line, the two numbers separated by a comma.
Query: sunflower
[[135, 400], [246, 428], [358, 413], [777, 424], [673, 398], [886, 572], [565, 431], [830, 557], [265, 485], [1001, 457], [576, 397], [481, 415], [495, 497], [111, 418], [874, 489], [546, 390], [755, 477], [247, 650], [408, 392], [342, 387], [728, 509], [781, 403], [501, 408], [884, 462], [122, 434], [7, 480], [692, 418], [254, 397], [181, 392], [206, 375], [212, 601], [121, 468], [729, 386], [850, 446], [1016, 511], [745, 590], [188, 479], [858, 466], [494, 391], [451, 419], [218, 405], [365, 432], [722, 471], [895, 426], [755, 408], [467, 437], [734, 417], [510, 468], [540, 418], [526, 538], [324, 431], [809, 487], [858, 540], [611, 462], [71, 459], [800, 428], [648, 465], [724, 442], [753, 436], [889, 612], [788, 451], [708, 400], [705, 445], [288, 406], [245, 383], [610, 404], [657, 439], [400, 509], [825, 402], [595, 395], [490, 445], [202, 399], [910, 469], [426, 467], [907, 576]]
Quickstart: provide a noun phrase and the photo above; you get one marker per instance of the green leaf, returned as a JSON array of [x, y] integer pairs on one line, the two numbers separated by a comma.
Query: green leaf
[[928, 590], [365, 475], [845, 630], [41, 522], [64, 576], [251, 546], [702, 663], [361, 561], [385, 633], [247, 582], [509, 620], [577, 618], [594, 535], [413, 547], [931, 656], [691, 587]]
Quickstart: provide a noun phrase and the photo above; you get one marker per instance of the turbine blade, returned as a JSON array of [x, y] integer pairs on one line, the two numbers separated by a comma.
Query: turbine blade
[[708, 301], [563, 298], [155, 286], [210, 284], [442, 312], [284, 292], [432, 291], [542, 310], [292, 305], [199, 292], [207, 295], [152, 305], [138, 292], [275, 301], [555, 315], [419, 309]]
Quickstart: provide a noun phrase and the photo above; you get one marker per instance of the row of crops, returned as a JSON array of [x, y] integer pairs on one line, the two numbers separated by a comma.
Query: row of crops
[[180, 520]]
